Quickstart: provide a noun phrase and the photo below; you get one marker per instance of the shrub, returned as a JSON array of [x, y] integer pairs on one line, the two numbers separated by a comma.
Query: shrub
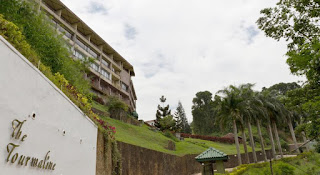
[[13, 34], [284, 145], [281, 168], [98, 99], [49, 46], [170, 135], [117, 108]]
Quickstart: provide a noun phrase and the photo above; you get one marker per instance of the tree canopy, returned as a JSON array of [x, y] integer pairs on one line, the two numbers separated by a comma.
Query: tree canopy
[[203, 114], [298, 23]]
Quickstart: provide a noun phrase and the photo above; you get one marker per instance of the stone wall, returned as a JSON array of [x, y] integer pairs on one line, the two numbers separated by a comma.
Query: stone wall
[[141, 161], [104, 156], [233, 160]]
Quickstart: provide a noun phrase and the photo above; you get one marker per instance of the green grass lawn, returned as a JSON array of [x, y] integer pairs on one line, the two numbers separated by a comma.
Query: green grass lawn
[[99, 106], [144, 137]]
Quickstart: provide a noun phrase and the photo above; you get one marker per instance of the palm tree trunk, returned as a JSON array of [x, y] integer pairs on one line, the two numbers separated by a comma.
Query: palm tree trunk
[[305, 139], [277, 138], [235, 133], [272, 141], [252, 143], [244, 142], [261, 141], [292, 134]]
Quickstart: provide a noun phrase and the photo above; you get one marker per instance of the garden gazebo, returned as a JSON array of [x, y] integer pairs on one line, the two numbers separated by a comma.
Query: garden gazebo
[[210, 156]]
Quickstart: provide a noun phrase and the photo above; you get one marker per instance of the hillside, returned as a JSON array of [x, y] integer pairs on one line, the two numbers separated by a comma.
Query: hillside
[[305, 163], [145, 137]]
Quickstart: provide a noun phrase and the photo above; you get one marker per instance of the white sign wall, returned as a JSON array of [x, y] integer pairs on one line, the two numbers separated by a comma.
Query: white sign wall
[[41, 131]]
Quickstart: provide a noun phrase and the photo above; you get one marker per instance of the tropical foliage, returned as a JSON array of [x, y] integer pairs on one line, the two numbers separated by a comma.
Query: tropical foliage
[[297, 22], [44, 40]]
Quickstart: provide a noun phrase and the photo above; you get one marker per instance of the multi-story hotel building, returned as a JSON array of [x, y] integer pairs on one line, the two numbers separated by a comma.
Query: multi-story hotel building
[[110, 74]]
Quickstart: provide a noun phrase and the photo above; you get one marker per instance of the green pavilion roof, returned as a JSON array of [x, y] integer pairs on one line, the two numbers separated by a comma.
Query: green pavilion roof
[[211, 154]]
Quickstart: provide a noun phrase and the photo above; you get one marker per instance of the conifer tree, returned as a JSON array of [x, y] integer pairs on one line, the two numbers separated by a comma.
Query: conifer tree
[[182, 124], [162, 112]]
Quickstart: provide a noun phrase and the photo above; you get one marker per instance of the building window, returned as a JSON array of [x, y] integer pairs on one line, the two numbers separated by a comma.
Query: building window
[[78, 55], [64, 31], [83, 46], [92, 53], [95, 67], [86, 48], [105, 74], [124, 87], [105, 63]]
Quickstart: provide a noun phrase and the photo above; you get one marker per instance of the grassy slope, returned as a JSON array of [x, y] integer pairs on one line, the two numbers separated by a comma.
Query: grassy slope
[[144, 137], [99, 106], [307, 163]]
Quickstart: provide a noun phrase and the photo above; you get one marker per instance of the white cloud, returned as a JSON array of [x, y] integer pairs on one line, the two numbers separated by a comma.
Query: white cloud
[[184, 46]]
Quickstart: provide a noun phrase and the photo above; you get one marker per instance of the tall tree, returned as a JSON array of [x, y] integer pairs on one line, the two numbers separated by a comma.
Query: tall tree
[[276, 114], [280, 91], [182, 124], [232, 107], [203, 114], [162, 112], [252, 108], [282, 88], [304, 102], [168, 123], [296, 22], [261, 114]]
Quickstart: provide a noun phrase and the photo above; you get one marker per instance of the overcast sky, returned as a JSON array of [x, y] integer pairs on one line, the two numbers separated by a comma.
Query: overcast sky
[[181, 47]]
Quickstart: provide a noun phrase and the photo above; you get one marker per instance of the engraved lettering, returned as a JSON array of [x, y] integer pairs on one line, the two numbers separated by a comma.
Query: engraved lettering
[[10, 150], [34, 162], [14, 157], [21, 160], [17, 125], [23, 138], [27, 160]]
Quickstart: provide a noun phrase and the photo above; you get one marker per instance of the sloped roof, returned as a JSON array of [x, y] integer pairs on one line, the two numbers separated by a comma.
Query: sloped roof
[[211, 154]]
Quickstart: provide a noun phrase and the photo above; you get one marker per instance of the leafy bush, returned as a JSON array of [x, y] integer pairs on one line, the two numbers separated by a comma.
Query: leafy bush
[[170, 136], [50, 47], [210, 138], [98, 99], [13, 34], [117, 108], [280, 168], [284, 145]]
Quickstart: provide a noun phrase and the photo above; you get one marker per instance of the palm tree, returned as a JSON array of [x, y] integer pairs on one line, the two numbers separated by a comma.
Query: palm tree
[[244, 141], [252, 108], [229, 111], [289, 121], [260, 114], [232, 108], [276, 113]]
